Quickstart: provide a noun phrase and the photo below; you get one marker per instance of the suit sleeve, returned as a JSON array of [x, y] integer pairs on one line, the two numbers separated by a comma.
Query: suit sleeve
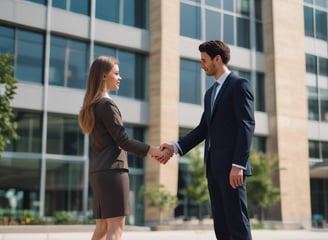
[[113, 123], [194, 137], [244, 112]]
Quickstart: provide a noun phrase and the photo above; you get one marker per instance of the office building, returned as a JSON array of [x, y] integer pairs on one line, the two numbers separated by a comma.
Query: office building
[[281, 46]]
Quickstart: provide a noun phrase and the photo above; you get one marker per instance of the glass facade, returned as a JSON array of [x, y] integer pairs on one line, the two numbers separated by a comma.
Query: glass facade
[[128, 12], [81, 6], [315, 19], [191, 79], [227, 20], [69, 62], [317, 87], [27, 46]]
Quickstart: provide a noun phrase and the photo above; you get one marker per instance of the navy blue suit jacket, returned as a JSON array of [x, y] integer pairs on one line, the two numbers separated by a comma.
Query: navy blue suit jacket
[[229, 128]]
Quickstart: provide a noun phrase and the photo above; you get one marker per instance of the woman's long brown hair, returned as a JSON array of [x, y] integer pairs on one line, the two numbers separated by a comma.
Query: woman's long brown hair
[[95, 90]]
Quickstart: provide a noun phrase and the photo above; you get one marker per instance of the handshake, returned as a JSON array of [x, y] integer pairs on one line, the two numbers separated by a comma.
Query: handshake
[[163, 153]]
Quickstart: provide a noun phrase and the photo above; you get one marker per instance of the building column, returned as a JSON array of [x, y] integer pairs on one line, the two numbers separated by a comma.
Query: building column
[[164, 71], [283, 27]]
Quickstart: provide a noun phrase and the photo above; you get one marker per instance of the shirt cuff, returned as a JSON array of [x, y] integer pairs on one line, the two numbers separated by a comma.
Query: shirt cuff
[[177, 148], [239, 166]]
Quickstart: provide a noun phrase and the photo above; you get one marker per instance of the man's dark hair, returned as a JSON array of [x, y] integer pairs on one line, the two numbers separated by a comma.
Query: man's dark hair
[[214, 48]]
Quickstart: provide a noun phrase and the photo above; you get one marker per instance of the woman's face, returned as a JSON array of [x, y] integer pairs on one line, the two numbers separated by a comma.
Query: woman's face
[[113, 79]]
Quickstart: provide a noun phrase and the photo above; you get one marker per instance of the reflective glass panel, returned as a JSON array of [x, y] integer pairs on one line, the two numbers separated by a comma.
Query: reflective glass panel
[[213, 3], [80, 6], [242, 7], [127, 72], [135, 13], [29, 56], [321, 25], [102, 50], [311, 63], [29, 130], [228, 5], [243, 34], [321, 3], [259, 144], [38, 1], [64, 187], [59, 4], [64, 135], [308, 21], [259, 37], [20, 184], [323, 66], [228, 26], [6, 40], [314, 149], [213, 25], [190, 21], [313, 103], [190, 89], [108, 10], [69, 62], [324, 103]]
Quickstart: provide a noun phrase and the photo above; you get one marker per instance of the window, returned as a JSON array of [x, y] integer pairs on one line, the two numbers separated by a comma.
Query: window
[[108, 10], [29, 130], [137, 133], [132, 70], [321, 24], [213, 3], [27, 46], [7, 39], [314, 149], [69, 62], [228, 29], [64, 135], [64, 186], [190, 87], [259, 144], [29, 56], [308, 22], [128, 12], [323, 66], [243, 37], [38, 1], [81, 6], [190, 21], [20, 184], [213, 25], [313, 103], [311, 63]]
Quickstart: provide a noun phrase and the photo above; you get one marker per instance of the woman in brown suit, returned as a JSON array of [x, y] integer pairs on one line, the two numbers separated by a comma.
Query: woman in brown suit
[[108, 168]]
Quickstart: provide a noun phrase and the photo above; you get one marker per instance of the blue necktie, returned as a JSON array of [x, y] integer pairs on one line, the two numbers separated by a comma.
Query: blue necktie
[[215, 87]]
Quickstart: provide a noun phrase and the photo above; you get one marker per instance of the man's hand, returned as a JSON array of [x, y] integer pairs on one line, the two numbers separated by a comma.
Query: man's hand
[[236, 177]]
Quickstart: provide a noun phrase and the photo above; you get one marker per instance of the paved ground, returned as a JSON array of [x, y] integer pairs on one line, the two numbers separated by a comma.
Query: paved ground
[[170, 235]]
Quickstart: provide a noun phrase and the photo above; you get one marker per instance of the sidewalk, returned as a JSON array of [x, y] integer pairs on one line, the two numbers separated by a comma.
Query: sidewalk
[[85, 233]]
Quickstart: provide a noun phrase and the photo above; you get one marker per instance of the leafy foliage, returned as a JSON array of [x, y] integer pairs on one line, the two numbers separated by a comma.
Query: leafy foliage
[[260, 188], [197, 189], [8, 85], [159, 198]]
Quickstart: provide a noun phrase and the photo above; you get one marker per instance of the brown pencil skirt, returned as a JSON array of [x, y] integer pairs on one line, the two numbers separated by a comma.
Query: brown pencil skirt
[[110, 193]]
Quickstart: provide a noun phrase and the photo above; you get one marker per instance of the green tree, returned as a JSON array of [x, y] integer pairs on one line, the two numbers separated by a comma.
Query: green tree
[[8, 85], [260, 188], [157, 197], [197, 190]]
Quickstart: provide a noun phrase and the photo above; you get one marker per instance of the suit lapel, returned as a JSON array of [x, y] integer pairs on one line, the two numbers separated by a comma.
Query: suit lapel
[[222, 89]]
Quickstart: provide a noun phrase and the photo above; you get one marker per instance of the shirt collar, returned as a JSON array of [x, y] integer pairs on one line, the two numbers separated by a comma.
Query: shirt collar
[[223, 77]]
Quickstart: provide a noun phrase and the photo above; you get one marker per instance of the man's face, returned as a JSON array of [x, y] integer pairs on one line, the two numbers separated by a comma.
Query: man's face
[[207, 64]]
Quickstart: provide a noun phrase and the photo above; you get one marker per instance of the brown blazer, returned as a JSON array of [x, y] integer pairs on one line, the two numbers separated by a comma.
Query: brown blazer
[[109, 141]]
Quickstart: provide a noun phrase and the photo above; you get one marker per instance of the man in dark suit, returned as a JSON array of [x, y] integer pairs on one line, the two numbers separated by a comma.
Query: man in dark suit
[[227, 126]]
